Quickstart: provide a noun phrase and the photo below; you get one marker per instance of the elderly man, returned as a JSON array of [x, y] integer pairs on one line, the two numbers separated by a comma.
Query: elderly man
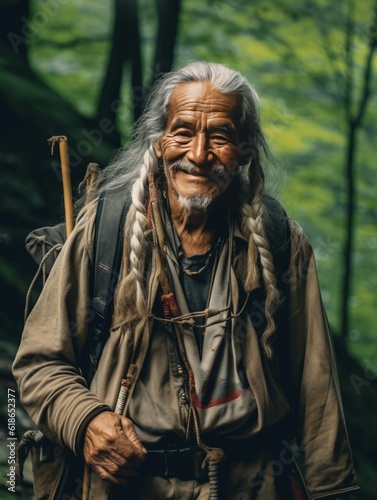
[[219, 354]]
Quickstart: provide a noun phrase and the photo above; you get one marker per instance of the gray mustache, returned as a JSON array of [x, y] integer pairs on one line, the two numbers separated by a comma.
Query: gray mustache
[[216, 168]]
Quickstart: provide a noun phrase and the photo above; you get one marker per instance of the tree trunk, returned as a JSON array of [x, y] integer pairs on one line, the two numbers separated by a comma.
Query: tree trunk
[[15, 29], [350, 227], [168, 18], [125, 46], [354, 125], [138, 90]]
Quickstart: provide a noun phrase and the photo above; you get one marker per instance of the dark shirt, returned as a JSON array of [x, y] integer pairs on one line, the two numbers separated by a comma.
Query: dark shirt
[[196, 279]]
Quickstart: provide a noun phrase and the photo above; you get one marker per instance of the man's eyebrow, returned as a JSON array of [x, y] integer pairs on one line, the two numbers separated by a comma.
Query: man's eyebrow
[[181, 123], [224, 128], [228, 128]]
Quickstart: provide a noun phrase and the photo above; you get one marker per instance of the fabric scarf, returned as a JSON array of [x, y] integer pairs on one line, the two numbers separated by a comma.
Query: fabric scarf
[[222, 396]]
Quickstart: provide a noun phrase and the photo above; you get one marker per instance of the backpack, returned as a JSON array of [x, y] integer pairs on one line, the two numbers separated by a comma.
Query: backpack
[[44, 245]]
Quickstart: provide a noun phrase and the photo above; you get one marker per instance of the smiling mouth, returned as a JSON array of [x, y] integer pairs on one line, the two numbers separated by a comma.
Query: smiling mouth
[[188, 169], [195, 174], [191, 173], [185, 168]]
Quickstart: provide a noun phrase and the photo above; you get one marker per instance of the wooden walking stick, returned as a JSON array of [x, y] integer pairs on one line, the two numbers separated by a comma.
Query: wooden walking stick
[[66, 178], [124, 387]]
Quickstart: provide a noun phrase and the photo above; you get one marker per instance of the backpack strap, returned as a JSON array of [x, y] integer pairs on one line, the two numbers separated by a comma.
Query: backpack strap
[[112, 209]]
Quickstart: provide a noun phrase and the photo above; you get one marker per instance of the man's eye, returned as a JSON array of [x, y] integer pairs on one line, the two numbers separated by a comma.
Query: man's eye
[[182, 136], [220, 139]]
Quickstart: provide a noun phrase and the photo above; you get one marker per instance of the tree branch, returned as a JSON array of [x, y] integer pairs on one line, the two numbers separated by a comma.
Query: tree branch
[[338, 75], [349, 76], [366, 81]]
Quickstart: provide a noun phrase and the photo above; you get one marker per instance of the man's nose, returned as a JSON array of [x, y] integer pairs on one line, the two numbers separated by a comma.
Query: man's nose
[[200, 152]]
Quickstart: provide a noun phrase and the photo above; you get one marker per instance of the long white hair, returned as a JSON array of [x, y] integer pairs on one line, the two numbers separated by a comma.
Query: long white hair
[[133, 165]]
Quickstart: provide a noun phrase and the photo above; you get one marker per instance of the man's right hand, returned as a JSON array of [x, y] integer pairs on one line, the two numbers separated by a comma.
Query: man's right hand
[[112, 448]]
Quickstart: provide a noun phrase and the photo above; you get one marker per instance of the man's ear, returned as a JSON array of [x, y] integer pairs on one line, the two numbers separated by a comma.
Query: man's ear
[[157, 148]]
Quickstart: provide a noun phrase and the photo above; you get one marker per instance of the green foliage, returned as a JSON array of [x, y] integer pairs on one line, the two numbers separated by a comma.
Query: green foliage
[[70, 49]]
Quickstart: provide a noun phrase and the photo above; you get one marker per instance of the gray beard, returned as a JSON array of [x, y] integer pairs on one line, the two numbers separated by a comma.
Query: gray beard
[[198, 202]]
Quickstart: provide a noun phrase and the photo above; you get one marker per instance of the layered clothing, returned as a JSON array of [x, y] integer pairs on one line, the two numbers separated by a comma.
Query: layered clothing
[[245, 401]]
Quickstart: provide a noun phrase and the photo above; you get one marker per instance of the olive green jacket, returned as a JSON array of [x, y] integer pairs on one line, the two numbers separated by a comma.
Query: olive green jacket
[[56, 396]]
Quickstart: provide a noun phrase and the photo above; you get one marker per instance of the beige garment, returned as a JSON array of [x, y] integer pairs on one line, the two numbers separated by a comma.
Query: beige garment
[[223, 401], [56, 396]]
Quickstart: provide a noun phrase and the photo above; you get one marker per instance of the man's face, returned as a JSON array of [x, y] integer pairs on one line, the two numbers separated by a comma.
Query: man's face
[[200, 144]]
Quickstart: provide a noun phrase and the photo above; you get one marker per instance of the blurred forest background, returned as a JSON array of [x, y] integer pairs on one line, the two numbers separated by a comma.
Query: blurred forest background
[[83, 68]]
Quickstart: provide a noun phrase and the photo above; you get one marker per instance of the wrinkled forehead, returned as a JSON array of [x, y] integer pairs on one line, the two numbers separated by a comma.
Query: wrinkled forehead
[[194, 99]]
